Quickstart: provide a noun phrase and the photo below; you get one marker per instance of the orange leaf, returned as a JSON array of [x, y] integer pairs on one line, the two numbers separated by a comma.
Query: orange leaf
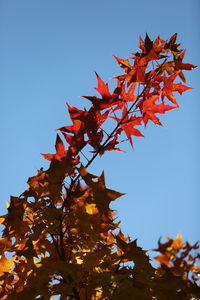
[[6, 264]]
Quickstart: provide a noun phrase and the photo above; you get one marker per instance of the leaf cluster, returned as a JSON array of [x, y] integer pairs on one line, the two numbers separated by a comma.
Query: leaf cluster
[[63, 238]]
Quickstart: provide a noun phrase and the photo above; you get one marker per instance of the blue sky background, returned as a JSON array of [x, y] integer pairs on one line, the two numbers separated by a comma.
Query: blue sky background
[[48, 54]]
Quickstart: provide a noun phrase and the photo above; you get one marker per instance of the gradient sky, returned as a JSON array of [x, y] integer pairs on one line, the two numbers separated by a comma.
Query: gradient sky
[[48, 54]]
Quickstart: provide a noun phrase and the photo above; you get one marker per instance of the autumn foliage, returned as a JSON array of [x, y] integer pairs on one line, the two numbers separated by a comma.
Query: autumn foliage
[[60, 236]]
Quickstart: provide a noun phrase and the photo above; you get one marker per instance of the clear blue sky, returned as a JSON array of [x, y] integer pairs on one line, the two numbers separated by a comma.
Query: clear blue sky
[[48, 54]]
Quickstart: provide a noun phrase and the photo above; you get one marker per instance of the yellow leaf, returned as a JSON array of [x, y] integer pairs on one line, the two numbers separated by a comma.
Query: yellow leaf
[[91, 209], [86, 250], [6, 264], [79, 260], [74, 230], [110, 239], [1, 220]]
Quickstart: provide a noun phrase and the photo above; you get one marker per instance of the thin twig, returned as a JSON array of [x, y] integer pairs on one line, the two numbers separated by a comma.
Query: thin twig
[[104, 131], [84, 155]]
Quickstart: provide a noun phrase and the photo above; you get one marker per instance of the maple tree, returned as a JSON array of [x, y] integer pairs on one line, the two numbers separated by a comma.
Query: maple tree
[[63, 239]]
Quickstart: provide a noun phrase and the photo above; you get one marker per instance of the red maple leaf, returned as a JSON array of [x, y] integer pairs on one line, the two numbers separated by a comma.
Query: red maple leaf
[[151, 49], [76, 115], [108, 99], [149, 108], [169, 87], [179, 65], [76, 142], [112, 144], [184, 66], [134, 73], [128, 95], [128, 124], [180, 88], [124, 63], [60, 151], [102, 87]]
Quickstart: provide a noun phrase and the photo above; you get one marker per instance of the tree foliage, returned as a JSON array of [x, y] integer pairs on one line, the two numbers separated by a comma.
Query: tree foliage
[[63, 238]]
